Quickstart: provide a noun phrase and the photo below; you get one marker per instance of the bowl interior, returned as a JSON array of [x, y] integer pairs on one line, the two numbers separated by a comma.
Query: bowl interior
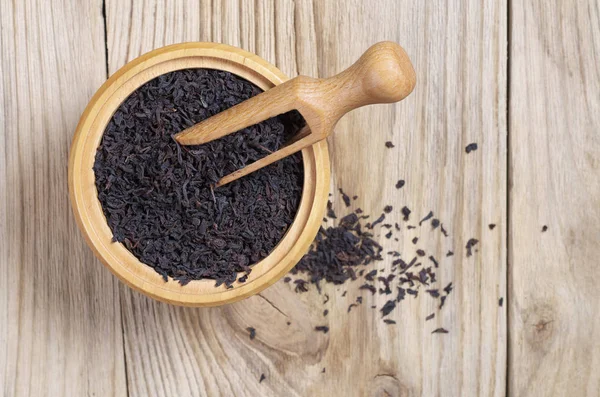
[[88, 210]]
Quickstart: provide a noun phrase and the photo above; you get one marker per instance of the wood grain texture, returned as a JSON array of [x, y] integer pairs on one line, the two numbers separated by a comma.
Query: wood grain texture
[[60, 325], [555, 178], [459, 53]]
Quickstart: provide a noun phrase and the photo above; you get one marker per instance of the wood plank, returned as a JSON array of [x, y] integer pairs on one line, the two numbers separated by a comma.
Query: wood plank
[[459, 52], [60, 327], [554, 173]]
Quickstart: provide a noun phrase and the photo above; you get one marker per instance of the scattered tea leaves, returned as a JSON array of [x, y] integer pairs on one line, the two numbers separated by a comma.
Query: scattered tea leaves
[[448, 288], [345, 198], [252, 332], [470, 147], [427, 217], [442, 301], [406, 213], [440, 331], [470, 244], [435, 263], [388, 307], [444, 232]]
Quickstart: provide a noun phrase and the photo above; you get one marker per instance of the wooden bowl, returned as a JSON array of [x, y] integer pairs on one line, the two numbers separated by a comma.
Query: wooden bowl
[[88, 211]]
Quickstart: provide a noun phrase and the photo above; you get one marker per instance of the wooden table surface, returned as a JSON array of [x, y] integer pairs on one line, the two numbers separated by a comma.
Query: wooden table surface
[[519, 78]]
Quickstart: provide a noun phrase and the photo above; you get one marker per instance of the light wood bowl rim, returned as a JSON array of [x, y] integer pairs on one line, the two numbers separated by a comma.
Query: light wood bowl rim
[[88, 211]]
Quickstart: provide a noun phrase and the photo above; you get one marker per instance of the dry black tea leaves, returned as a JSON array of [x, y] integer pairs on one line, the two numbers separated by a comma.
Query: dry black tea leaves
[[430, 317], [388, 235], [444, 232], [500, 302], [262, 377], [440, 331], [400, 184], [388, 321], [338, 255], [389, 145], [442, 301], [157, 195], [301, 285], [388, 307], [369, 287], [492, 226], [471, 147], [252, 332], [427, 217], [544, 228], [325, 312], [448, 288], [415, 240], [369, 276], [378, 221], [345, 197], [435, 263], [406, 213], [337, 251], [450, 253], [387, 209], [330, 211], [322, 328], [401, 294], [435, 223], [470, 244]]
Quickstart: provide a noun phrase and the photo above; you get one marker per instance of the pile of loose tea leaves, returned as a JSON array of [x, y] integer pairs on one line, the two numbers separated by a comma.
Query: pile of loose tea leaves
[[346, 249], [157, 195]]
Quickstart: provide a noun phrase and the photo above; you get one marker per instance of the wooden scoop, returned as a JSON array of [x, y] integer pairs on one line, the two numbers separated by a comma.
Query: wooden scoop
[[383, 74]]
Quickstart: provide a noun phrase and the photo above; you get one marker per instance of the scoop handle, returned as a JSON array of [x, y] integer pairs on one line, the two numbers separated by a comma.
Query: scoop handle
[[383, 74]]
